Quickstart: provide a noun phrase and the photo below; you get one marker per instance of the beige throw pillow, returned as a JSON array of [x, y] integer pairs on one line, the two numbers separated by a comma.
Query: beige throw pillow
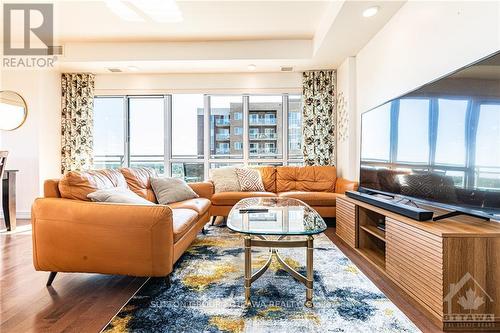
[[168, 190], [225, 180], [118, 195], [250, 180]]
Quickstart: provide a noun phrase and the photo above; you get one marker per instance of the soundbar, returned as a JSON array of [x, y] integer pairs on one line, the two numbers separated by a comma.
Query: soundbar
[[414, 213]]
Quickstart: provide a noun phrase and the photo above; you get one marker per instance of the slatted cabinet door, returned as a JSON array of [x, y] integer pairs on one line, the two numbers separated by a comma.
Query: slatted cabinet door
[[414, 260], [346, 222]]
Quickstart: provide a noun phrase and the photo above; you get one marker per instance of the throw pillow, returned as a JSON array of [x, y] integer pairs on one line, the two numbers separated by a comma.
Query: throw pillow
[[118, 195], [168, 190], [225, 180], [250, 180]]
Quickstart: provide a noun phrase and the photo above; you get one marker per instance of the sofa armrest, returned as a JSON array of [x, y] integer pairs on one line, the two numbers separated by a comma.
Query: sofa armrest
[[203, 189], [342, 185], [80, 236]]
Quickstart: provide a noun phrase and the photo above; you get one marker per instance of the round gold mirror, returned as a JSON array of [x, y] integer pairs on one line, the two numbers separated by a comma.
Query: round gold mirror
[[13, 110]]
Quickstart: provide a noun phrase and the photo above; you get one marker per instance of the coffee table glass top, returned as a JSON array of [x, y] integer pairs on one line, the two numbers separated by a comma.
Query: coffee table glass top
[[284, 216]]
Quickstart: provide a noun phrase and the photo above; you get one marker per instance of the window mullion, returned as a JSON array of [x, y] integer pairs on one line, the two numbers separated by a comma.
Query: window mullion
[[126, 110], [167, 107], [246, 147], [284, 134], [206, 134]]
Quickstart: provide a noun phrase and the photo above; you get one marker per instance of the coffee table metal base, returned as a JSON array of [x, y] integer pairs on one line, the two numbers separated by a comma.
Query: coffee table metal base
[[273, 252]]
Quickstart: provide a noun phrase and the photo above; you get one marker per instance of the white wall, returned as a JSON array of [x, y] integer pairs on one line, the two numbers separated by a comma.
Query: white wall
[[423, 41], [206, 83], [347, 152], [34, 147]]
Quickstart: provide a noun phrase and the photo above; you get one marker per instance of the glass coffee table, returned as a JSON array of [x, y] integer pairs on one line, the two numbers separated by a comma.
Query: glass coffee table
[[259, 218]]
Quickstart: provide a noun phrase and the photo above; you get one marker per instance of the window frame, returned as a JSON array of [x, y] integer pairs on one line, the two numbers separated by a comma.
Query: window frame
[[207, 160]]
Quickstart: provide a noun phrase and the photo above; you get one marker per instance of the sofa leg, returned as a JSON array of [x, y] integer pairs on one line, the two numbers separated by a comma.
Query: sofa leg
[[204, 231], [52, 276], [212, 220], [168, 281]]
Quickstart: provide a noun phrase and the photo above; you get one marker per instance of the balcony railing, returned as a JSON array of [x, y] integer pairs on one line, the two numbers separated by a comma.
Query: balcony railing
[[222, 151], [262, 121], [117, 161], [271, 151], [263, 136], [222, 121], [222, 136]]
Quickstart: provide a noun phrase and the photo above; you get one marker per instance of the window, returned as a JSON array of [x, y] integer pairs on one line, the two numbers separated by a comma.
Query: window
[[147, 132], [295, 127], [265, 126], [487, 147], [451, 126], [221, 108], [190, 172], [254, 148], [109, 132], [187, 125], [184, 135], [413, 123]]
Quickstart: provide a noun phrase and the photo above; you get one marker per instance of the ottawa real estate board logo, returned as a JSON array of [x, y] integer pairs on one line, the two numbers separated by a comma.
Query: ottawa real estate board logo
[[467, 305], [28, 36]]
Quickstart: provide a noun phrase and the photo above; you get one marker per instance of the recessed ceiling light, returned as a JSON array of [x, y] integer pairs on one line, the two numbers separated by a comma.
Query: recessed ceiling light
[[252, 67], [133, 68], [123, 11], [369, 12]]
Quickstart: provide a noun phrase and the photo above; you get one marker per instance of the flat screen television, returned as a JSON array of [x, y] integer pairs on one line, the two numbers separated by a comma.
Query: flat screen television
[[439, 144]]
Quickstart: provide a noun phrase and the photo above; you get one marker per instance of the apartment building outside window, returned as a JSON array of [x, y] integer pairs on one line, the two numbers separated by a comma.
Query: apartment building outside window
[[184, 135]]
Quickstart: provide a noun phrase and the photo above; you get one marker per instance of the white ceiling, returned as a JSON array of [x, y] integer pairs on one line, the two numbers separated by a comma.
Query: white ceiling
[[203, 20], [218, 36]]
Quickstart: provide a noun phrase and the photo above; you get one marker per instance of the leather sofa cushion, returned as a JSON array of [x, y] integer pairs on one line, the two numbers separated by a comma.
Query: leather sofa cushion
[[51, 188], [268, 174], [313, 198], [78, 184], [138, 180], [199, 205], [231, 198], [183, 220], [306, 179]]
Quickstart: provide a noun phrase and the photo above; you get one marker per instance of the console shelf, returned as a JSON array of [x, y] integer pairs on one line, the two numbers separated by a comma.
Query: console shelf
[[374, 231], [425, 258]]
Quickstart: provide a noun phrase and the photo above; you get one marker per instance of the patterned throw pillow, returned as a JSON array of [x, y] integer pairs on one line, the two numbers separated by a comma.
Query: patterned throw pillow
[[250, 180]]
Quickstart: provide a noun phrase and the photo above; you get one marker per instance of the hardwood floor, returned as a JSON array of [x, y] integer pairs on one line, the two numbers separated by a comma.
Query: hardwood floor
[[86, 302], [74, 302]]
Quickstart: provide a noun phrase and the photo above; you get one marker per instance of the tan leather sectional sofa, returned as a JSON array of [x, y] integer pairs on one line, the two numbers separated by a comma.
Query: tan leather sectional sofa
[[72, 234]]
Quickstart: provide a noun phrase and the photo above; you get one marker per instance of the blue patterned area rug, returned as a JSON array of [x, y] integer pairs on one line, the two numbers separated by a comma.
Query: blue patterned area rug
[[207, 294]]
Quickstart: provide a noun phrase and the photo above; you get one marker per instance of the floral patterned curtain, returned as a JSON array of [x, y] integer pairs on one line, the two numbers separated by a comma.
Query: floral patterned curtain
[[319, 117], [77, 121]]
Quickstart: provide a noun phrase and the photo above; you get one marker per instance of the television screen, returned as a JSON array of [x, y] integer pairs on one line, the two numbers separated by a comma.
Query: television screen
[[440, 143]]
